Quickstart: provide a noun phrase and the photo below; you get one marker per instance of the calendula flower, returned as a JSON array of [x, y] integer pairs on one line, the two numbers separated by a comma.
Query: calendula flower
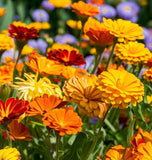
[[9, 154], [6, 42], [97, 32], [133, 53], [68, 123], [81, 90], [41, 105], [26, 50], [22, 32], [19, 131], [12, 109], [123, 29], [148, 74], [84, 9], [117, 153], [120, 88], [149, 99], [40, 25], [74, 24], [66, 57], [43, 65], [60, 3], [32, 87], [96, 2], [2, 11]]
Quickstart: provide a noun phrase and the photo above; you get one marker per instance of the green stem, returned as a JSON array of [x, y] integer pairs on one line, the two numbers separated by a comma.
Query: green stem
[[57, 146], [119, 62], [139, 70], [9, 139], [111, 54], [97, 136], [80, 39]]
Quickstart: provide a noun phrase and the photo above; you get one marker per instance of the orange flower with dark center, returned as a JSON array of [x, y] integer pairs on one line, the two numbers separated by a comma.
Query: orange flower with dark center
[[19, 131], [84, 9], [63, 120], [97, 32], [22, 33], [12, 109], [66, 57], [41, 105]]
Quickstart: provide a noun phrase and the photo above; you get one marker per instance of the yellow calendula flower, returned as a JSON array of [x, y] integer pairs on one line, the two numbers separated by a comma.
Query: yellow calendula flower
[[60, 3], [149, 99], [148, 74], [133, 53], [27, 50], [32, 87], [9, 154], [74, 24], [6, 42], [2, 11], [120, 88], [123, 29], [19, 23], [40, 25], [82, 90]]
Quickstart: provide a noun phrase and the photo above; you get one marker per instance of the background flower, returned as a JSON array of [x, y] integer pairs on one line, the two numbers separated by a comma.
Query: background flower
[[47, 5], [66, 38], [40, 15]]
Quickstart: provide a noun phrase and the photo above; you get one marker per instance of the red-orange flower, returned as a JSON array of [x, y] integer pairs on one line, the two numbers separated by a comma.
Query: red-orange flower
[[22, 33], [19, 131], [63, 120], [66, 57], [84, 9], [97, 32], [41, 105], [12, 109]]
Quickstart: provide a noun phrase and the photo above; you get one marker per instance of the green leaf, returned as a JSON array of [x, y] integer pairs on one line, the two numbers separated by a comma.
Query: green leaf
[[15, 74], [21, 10], [8, 17]]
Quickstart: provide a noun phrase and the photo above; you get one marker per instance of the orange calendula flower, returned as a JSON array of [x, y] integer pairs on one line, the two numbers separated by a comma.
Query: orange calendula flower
[[40, 25], [2, 11], [66, 57], [123, 29], [9, 154], [85, 9], [81, 90], [12, 109], [19, 131], [133, 53], [99, 2], [148, 74], [43, 65], [63, 120], [97, 32], [41, 105], [22, 32], [74, 24], [119, 88], [32, 87], [60, 3]]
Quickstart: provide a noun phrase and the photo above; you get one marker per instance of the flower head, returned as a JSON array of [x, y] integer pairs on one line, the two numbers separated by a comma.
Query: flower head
[[66, 57], [41, 105], [40, 15], [40, 25], [23, 32], [133, 53], [60, 3], [148, 75], [85, 9], [10, 154], [32, 87], [148, 43], [45, 4], [123, 29], [74, 24], [43, 65], [81, 90], [6, 42], [97, 32], [96, 2], [64, 121], [119, 88], [12, 109], [2, 11], [19, 131], [66, 38]]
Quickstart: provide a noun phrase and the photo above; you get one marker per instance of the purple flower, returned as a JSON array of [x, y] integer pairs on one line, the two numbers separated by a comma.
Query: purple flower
[[148, 43], [128, 10], [9, 53], [145, 33], [94, 120], [106, 11], [45, 4], [88, 60], [66, 38], [38, 44], [40, 15], [16, 17]]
